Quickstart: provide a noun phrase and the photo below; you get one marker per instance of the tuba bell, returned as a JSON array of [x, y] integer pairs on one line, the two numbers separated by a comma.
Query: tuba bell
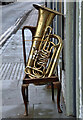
[[44, 53]]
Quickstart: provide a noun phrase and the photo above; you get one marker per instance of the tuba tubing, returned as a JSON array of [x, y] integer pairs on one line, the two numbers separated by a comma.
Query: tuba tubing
[[45, 18]]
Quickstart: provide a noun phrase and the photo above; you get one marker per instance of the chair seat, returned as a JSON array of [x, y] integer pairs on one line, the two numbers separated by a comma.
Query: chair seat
[[40, 80]]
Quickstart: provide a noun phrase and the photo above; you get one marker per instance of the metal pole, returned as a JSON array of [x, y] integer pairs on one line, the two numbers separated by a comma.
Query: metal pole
[[82, 47], [45, 3], [74, 60], [82, 57], [63, 36], [77, 61], [69, 58]]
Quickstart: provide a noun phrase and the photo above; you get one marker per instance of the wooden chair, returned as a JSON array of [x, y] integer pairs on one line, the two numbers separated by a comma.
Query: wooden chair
[[54, 80]]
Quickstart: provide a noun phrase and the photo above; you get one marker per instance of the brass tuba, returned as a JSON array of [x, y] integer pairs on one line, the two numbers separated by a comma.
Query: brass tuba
[[44, 53]]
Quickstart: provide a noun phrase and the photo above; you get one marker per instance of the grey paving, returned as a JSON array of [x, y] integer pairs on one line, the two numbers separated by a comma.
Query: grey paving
[[13, 11], [12, 70]]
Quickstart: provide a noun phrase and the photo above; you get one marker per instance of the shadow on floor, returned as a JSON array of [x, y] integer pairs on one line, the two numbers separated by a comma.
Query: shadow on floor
[[40, 103]]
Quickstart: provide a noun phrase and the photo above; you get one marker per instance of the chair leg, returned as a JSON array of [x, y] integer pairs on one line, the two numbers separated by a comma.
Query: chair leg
[[27, 94], [52, 87], [58, 97], [24, 98]]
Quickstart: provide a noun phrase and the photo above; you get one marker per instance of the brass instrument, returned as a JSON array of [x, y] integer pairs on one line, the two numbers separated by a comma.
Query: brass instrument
[[44, 53]]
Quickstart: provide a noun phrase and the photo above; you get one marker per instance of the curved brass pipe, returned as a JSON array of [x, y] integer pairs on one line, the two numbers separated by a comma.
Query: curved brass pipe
[[39, 62]]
